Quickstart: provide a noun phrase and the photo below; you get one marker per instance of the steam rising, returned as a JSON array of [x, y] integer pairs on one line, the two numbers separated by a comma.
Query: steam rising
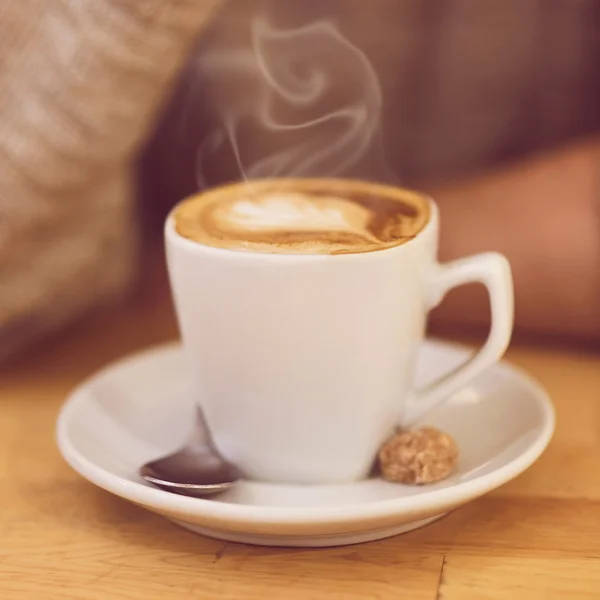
[[305, 101]]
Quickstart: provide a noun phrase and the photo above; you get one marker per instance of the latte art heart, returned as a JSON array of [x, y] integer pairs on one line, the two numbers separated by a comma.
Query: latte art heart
[[303, 216], [292, 212]]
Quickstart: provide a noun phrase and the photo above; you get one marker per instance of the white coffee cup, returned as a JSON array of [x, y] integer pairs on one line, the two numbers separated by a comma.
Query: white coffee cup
[[303, 363]]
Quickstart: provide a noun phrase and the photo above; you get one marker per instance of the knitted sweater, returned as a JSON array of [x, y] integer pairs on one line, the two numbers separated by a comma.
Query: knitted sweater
[[80, 85]]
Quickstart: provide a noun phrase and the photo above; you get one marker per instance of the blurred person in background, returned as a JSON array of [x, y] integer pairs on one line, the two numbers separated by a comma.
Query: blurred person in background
[[493, 108]]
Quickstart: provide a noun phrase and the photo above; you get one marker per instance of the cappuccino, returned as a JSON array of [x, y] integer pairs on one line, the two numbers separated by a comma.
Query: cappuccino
[[302, 216]]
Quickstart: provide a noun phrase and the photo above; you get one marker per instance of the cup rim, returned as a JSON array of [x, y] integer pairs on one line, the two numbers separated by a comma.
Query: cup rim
[[174, 237]]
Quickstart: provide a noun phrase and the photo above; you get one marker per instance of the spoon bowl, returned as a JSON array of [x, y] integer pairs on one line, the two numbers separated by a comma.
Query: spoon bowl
[[196, 469]]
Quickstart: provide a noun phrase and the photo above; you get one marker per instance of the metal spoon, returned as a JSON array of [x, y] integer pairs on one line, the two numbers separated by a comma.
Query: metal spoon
[[196, 469]]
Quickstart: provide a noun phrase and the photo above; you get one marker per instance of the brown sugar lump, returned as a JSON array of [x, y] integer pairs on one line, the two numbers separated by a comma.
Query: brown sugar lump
[[418, 456]]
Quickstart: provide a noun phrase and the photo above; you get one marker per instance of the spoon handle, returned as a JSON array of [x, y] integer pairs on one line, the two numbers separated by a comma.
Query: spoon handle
[[200, 434]]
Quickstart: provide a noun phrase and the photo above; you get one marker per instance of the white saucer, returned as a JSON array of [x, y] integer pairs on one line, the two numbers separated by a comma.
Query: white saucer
[[138, 409]]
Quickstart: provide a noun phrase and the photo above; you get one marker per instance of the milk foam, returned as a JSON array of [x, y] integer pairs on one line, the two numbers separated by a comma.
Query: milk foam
[[293, 212]]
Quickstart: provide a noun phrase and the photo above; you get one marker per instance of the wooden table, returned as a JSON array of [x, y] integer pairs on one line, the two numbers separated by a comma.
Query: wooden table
[[61, 538]]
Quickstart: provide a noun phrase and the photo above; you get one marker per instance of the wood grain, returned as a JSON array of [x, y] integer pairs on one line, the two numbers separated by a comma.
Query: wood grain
[[61, 538], [488, 578]]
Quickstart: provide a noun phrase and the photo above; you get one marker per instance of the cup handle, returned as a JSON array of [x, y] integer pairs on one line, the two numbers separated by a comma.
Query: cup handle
[[493, 271]]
